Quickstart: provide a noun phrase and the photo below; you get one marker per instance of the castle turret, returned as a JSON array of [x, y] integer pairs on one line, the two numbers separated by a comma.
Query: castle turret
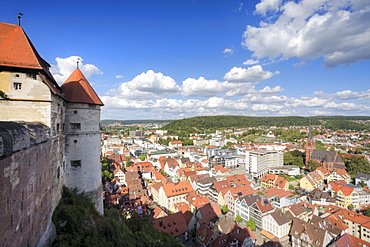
[[83, 142]]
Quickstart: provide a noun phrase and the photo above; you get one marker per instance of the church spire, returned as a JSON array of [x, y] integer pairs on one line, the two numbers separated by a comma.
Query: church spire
[[310, 144]]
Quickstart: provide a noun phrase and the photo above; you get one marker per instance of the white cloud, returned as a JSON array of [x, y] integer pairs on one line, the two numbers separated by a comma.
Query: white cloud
[[267, 5], [251, 74], [344, 95], [65, 66], [251, 62], [146, 86], [119, 76], [202, 87], [228, 51], [239, 8], [336, 30]]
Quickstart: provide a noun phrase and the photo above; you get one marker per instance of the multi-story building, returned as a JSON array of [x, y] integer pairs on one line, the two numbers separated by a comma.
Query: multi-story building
[[258, 162], [243, 204], [278, 224], [172, 193]]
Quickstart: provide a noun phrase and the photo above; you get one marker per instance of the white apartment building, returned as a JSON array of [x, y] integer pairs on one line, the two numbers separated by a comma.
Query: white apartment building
[[258, 162]]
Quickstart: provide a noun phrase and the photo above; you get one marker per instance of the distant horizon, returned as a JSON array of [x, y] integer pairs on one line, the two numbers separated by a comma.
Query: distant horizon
[[179, 59], [232, 115]]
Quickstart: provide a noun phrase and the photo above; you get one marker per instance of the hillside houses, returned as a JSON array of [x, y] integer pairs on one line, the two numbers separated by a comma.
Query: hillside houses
[[189, 185]]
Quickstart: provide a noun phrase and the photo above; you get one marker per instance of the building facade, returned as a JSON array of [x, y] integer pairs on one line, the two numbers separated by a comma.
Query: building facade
[[258, 162]]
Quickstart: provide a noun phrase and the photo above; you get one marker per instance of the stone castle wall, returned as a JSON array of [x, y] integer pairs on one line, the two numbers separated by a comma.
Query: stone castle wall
[[28, 181]]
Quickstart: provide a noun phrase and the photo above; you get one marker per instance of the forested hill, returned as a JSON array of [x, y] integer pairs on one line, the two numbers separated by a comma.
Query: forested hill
[[227, 122]]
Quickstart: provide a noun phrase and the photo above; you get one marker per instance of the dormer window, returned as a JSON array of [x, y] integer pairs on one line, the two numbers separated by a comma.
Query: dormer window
[[17, 86]]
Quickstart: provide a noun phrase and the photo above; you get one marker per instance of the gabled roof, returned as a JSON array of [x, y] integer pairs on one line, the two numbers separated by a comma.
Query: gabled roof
[[78, 90], [16, 49]]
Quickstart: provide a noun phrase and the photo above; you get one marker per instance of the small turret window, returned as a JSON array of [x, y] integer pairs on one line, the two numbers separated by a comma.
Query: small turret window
[[17, 86], [75, 163], [76, 126]]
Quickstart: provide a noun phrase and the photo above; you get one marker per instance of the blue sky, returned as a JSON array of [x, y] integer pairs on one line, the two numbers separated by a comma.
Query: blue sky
[[171, 59]]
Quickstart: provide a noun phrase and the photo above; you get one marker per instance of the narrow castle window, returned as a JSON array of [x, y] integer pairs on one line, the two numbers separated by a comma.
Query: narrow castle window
[[17, 86], [75, 126], [75, 163]]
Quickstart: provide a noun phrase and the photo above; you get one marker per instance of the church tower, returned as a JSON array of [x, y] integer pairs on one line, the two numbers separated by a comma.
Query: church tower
[[310, 145], [83, 141]]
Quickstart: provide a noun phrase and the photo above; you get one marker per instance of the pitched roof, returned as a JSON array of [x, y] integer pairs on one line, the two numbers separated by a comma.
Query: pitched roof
[[282, 217], [315, 234], [174, 189], [16, 49], [174, 224], [78, 90], [264, 205]]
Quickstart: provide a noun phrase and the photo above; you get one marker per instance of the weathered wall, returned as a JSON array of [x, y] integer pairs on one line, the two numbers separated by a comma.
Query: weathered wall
[[26, 172], [32, 102]]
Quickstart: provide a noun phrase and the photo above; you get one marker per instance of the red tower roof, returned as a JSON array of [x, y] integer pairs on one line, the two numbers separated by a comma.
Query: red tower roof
[[16, 49], [78, 90]]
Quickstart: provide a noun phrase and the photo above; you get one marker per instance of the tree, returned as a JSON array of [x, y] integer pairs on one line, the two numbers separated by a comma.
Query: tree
[[142, 157], [112, 229], [224, 209], [313, 165], [351, 207], [320, 146], [250, 223], [238, 218], [128, 161], [362, 184], [294, 158], [356, 164], [367, 212]]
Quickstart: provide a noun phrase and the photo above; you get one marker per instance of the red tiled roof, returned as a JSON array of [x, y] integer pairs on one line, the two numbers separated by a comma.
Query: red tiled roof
[[16, 49], [78, 90], [174, 224], [264, 205], [173, 189]]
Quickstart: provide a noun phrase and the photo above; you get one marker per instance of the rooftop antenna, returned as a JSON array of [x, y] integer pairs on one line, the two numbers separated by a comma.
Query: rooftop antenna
[[19, 18], [78, 61]]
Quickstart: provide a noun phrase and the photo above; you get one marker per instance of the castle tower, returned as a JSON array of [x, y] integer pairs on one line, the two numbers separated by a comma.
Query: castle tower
[[31, 142], [309, 146], [83, 141]]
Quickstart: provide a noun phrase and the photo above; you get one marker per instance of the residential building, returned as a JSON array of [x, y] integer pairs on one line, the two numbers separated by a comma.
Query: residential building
[[362, 177], [354, 223], [258, 162], [273, 180], [278, 224], [312, 181], [258, 210], [233, 193], [172, 193], [243, 204], [321, 198], [204, 184], [306, 234], [290, 170], [339, 174], [280, 198], [236, 237]]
